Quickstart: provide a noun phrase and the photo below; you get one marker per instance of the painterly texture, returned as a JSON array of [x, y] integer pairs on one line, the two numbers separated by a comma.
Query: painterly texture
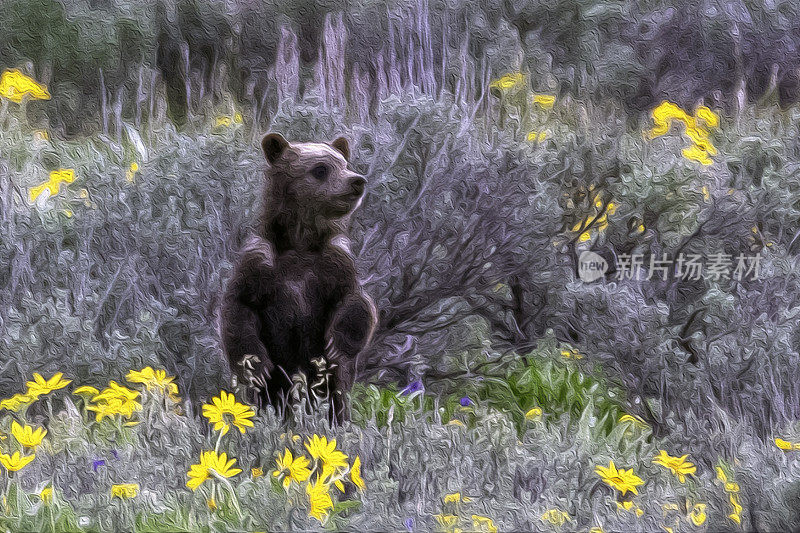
[[511, 384]]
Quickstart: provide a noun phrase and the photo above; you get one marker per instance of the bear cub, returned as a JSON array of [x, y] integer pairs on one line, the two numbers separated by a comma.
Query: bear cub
[[294, 303]]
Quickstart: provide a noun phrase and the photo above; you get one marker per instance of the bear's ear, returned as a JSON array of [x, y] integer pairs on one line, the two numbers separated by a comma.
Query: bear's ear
[[343, 146], [274, 145]]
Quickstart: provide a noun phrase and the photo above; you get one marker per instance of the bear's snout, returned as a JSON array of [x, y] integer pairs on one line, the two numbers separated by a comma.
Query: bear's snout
[[358, 184]]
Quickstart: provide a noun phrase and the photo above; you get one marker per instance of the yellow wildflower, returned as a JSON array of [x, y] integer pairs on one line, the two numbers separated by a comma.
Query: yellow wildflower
[[544, 100], [114, 407], [695, 153], [447, 521], [622, 480], [15, 86], [39, 386], [699, 137], [211, 464], [224, 411], [572, 353], [319, 500], [115, 400], [783, 444], [731, 487], [130, 174], [53, 184], [326, 452], [556, 517], [696, 128], [26, 435], [663, 116], [125, 491], [698, 514], [292, 469], [46, 495], [86, 390], [483, 523], [15, 462], [154, 380], [355, 474], [507, 82], [455, 497], [626, 505], [16, 402], [635, 421], [223, 122], [537, 136], [256, 472], [679, 466], [736, 513], [705, 114], [533, 414]]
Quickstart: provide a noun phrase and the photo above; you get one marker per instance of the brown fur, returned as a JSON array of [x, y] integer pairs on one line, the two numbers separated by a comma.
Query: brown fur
[[294, 303]]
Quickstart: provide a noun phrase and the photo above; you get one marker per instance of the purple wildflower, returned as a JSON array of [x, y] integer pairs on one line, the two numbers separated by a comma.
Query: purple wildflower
[[414, 386], [97, 463], [409, 523], [465, 402]]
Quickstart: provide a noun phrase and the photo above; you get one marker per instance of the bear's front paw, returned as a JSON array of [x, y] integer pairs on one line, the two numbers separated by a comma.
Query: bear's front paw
[[255, 372], [258, 252]]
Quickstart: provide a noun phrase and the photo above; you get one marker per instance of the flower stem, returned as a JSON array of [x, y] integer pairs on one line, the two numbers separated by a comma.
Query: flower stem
[[52, 518], [219, 440], [228, 485], [5, 492]]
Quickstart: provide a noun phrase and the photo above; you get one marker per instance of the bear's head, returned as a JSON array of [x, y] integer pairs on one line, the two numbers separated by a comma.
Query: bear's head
[[310, 190]]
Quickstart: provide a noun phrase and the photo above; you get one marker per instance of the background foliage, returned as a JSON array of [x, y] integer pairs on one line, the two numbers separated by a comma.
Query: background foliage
[[466, 238]]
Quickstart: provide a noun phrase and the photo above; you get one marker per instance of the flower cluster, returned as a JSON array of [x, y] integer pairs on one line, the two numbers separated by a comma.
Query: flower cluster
[[626, 481], [785, 445], [223, 412], [16, 86], [155, 380], [731, 488], [35, 389], [328, 467], [594, 214], [116, 400], [454, 518], [27, 438], [513, 91], [697, 128], [52, 185]]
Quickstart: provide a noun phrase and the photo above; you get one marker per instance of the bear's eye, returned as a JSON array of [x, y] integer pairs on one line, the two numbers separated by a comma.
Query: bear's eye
[[320, 172]]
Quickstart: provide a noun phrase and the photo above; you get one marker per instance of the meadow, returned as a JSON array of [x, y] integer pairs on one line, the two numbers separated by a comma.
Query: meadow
[[502, 392]]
